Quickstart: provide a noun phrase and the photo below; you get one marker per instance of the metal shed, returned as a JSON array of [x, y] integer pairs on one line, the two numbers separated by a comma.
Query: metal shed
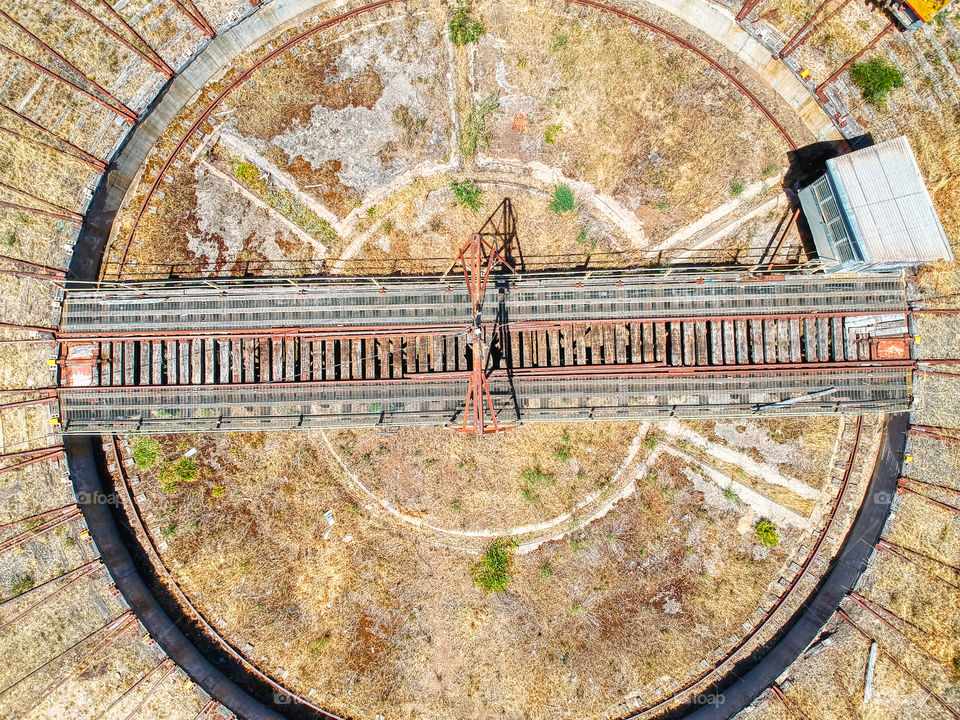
[[871, 210]]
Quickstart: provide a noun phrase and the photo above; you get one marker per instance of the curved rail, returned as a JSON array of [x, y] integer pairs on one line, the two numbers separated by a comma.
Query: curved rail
[[79, 451], [687, 45], [243, 77]]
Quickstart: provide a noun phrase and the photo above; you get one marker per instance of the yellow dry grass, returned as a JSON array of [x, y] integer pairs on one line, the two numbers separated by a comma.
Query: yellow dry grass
[[449, 480], [640, 140], [376, 617]]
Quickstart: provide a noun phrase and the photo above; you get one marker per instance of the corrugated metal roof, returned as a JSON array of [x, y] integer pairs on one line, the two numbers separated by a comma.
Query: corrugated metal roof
[[886, 202]]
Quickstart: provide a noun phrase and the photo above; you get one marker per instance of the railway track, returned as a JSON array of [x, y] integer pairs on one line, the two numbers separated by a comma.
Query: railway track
[[329, 354]]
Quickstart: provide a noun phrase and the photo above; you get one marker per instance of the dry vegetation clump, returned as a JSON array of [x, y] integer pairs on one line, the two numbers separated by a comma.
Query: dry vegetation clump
[[370, 616], [421, 228], [448, 480], [801, 447], [636, 141]]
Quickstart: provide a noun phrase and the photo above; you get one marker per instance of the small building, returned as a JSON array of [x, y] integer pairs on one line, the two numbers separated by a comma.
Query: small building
[[871, 211]]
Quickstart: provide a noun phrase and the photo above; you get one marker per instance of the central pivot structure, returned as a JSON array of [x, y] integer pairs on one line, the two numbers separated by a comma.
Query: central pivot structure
[[478, 257]]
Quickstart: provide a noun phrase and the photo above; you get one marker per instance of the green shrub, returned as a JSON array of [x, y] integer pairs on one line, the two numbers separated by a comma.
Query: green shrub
[[22, 585], [563, 452], [248, 174], [172, 474], [317, 646], [217, 491], [146, 452], [463, 27], [737, 188], [550, 135], [492, 571], [8, 238], [650, 441], [467, 194], [474, 135], [875, 79], [168, 532], [730, 495], [767, 532], [534, 478], [186, 470], [562, 200], [546, 572]]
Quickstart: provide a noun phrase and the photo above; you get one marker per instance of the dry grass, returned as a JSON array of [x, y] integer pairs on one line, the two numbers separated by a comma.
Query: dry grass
[[449, 480], [641, 141], [799, 447], [386, 620]]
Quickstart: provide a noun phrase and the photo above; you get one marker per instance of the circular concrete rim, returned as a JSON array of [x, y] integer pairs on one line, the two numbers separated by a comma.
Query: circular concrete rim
[[266, 22]]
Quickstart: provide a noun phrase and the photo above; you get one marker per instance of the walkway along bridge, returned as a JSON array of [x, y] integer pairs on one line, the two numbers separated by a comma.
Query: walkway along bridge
[[258, 354]]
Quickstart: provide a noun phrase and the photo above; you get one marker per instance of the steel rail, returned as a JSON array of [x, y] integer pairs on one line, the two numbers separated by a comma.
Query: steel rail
[[157, 561], [347, 332], [939, 700], [112, 629], [74, 575], [40, 68], [137, 35], [117, 106], [163, 69], [92, 160], [639, 370], [243, 77], [700, 53]]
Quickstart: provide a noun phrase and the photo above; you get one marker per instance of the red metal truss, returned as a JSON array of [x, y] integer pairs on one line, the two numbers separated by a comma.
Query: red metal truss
[[483, 257]]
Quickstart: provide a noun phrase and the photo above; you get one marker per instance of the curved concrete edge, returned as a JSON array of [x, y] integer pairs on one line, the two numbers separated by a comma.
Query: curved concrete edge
[[213, 59], [845, 572], [719, 24], [86, 481]]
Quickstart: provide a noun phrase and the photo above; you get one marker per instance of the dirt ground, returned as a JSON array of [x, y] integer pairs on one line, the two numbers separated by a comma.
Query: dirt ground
[[373, 614], [635, 141], [366, 149]]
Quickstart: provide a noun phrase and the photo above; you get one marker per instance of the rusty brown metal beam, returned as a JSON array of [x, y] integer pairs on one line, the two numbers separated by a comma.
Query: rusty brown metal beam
[[117, 105], [163, 69]]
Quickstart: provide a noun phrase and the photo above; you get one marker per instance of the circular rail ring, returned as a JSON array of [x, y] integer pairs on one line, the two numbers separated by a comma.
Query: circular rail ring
[[243, 77]]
